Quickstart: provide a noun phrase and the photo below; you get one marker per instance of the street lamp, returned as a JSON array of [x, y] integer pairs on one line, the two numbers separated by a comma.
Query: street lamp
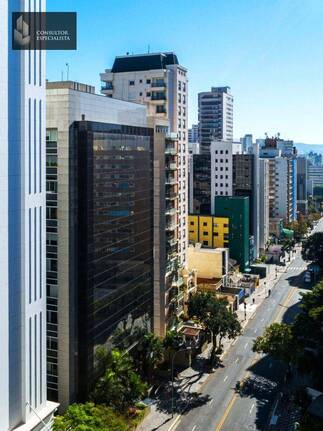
[[186, 349]]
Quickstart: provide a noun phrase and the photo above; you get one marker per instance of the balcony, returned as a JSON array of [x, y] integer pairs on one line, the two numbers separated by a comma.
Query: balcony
[[158, 84], [171, 195], [171, 226], [170, 211], [171, 242], [108, 86], [170, 150], [170, 180], [171, 166], [158, 96]]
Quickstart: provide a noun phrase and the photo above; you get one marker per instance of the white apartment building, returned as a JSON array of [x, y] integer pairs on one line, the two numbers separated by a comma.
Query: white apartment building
[[160, 82], [222, 168], [23, 404], [215, 116]]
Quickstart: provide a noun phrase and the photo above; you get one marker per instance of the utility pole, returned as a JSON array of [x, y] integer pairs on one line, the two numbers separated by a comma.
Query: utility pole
[[67, 71]]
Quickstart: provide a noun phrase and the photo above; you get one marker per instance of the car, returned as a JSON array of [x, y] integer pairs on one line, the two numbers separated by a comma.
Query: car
[[307, 277]]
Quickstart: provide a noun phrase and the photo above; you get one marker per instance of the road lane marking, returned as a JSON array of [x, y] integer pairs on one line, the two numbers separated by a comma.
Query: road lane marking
[[225, 378], [227, 411], [284, 305], [194, 427], [234, 397], [255, 331], [253, 405], [262, 320], [245, 346], [237, 360], [211, 402]]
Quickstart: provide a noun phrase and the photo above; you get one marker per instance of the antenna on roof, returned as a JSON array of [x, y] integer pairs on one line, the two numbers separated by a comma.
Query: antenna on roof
[[148, 49], [127, 53], [62, 75]]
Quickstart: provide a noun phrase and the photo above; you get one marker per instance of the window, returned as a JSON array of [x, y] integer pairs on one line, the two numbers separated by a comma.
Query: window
[[140, 94], [148, 94], [205, 243], [148, 81], [215, 234], [192, 223], [140, 80], [225, 225], [131, 82], [221, 151], [179, 85], [205, 223]]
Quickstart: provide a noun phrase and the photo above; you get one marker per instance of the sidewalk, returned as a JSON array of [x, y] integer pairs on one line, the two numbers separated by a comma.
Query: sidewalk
[[189, 382]]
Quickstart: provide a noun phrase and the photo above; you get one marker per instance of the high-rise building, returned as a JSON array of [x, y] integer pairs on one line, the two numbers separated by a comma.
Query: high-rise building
[[302, 180], [263, 203], [222, 168], [100, 230], [236, 209], [160, 82], [23, 404], [215, 116], [193, 134], [245, 182], [246, 143], [112, 230], [200, 184], [282, 177]]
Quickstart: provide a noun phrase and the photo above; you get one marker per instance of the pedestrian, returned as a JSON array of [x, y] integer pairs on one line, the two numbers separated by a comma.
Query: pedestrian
[[253, 300], [269, 292]]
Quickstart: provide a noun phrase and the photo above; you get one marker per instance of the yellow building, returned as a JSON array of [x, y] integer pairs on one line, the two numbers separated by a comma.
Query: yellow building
[[210, 231], [209, 264]]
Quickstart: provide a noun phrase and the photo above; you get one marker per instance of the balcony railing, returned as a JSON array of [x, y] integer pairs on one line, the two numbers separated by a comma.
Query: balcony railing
[[160, 83], [158, 96], [107, 86], [170, 150], [170, 180]]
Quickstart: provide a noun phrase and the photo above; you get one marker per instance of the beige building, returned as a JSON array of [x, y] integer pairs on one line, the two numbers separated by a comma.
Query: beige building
[[160, 82], [209, 263]]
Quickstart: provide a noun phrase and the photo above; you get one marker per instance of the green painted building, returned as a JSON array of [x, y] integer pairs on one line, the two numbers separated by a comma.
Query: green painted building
[[236, 208]]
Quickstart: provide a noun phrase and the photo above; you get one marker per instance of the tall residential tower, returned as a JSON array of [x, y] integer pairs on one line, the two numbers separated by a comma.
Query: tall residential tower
[[215, 117], [160, 82]]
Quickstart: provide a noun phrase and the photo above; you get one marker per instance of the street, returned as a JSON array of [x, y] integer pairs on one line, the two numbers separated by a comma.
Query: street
[[228, 410]]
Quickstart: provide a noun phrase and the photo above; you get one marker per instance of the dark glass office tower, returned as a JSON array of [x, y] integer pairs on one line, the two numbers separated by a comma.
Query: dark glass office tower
[[111, 180], [201, 184]]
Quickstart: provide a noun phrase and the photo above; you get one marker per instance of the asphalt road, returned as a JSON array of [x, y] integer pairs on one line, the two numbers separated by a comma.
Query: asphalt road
[[227, 410]]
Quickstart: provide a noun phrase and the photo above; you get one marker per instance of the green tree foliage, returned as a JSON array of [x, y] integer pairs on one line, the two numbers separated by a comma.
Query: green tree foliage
[[89, 417], [120, 386], [151, 353], [277, 341], [299, 227], [216, 317], [313, 248], [300, 343], [173, 340]]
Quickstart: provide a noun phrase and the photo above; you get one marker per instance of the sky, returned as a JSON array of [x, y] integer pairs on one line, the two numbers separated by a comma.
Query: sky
[[270, 52]]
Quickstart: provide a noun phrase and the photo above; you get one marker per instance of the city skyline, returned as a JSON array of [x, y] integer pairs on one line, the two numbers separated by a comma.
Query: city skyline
[[256, 51]]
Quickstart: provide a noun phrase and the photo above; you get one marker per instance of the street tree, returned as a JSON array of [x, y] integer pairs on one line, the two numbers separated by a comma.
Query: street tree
[[151, 353], [216, 317], [313, 248], [119, 385], [277, 341]]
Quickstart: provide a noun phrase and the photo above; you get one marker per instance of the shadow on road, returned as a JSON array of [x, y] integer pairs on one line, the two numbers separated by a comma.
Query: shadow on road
[[263, 385]]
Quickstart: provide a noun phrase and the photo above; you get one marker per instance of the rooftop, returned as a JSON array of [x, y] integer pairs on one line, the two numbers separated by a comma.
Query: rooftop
[[139, 62]]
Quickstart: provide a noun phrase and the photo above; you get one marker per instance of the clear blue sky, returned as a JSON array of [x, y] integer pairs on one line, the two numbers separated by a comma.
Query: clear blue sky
[[270, 52]]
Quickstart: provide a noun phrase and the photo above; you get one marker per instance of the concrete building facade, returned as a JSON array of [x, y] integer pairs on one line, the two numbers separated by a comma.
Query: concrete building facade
[[160, 82], [215, 117], [263, 204], [222, 168], [23, 403], [209, 231], [302, 181]]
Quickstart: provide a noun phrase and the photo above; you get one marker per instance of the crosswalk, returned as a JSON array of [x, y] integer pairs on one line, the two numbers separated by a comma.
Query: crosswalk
[[297, 268]]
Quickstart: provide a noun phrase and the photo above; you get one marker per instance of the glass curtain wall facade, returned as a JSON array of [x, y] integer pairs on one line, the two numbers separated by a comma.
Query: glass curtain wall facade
[[111, 186]]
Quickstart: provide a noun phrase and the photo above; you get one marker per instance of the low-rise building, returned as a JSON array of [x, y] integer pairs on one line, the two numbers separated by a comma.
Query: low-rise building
[[210, 264], [208, 230]]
